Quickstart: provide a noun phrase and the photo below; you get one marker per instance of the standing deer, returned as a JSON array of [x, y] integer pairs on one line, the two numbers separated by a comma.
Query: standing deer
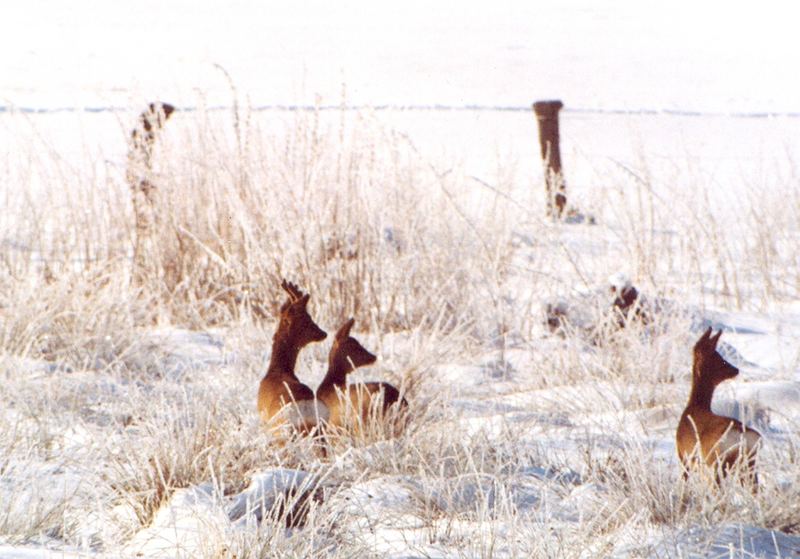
[[358, 404], [704, 436], [282, 398]]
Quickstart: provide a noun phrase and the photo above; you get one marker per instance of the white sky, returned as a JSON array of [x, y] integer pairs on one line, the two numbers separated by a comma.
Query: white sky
[[729, 56]]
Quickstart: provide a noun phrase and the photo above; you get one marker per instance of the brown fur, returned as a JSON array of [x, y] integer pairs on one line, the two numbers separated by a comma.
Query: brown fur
[[280, 387], [722, 440], [361, 399]]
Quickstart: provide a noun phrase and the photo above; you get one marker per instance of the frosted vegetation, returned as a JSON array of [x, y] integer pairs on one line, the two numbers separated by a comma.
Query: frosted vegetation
[[127, 410]]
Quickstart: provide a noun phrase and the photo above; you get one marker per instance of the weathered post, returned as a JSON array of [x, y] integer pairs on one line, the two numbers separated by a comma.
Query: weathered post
[[547, 116], [140, 180], [143, 135]]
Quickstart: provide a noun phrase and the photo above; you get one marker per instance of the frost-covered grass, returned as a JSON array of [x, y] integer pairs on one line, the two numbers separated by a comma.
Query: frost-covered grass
[[128, 411]]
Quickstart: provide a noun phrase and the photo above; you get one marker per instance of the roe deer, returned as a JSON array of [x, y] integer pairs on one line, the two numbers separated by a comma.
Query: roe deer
[[703, 436], [354, 405], [282, 398]]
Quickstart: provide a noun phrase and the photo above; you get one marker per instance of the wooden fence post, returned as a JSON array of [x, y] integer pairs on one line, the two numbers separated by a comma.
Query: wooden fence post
[[547, 117], [146, 262]]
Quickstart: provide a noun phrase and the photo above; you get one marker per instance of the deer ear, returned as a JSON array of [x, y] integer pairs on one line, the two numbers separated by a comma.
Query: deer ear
[[703, 341], [344, 330], [714, 339], [286, 287]]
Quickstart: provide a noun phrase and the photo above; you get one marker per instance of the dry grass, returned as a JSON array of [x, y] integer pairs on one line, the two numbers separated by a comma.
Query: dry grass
[[518, 442]]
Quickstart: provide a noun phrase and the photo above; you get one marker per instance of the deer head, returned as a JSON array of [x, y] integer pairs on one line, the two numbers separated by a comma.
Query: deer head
[[709, 366], [295, 321], [347, 351]]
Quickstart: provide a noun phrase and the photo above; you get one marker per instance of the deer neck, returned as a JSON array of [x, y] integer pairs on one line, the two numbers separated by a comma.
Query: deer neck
[[338, 368], [702, 392], [284, 355]]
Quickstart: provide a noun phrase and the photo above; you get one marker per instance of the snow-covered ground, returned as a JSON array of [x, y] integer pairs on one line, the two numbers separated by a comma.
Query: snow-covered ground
[[683, 56], [524, 442]]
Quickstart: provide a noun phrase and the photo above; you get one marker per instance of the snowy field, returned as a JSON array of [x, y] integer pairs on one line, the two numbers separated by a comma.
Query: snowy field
[[128, 425]]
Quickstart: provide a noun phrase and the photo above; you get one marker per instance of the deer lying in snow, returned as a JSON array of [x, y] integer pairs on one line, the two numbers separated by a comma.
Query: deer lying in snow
[[282, 398], [702, 435], [356, 405]]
